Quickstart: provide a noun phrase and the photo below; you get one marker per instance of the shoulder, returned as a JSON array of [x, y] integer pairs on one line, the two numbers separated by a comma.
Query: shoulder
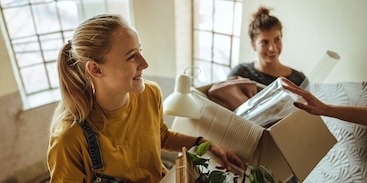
[[247, 65], [151, 84], [152, 92], [67, 136], [152, 87], [297, 77], [67, 153], [297, 73], [242, 69]]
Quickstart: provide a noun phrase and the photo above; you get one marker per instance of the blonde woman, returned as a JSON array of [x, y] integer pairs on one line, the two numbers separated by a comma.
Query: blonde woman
[[109, 125]]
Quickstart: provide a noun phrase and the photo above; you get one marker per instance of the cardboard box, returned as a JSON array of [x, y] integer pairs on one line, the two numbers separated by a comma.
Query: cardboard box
[[292, 146], [186, 171]]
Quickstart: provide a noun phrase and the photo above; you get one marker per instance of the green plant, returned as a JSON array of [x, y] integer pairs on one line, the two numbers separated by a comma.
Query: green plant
[[257, 174], [205, 175]]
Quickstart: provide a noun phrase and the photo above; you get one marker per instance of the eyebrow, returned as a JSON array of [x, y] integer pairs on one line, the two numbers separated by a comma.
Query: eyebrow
[[129, 52]]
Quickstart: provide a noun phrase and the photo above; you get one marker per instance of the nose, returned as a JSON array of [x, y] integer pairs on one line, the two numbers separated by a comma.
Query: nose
[[143, 64], [272, 46]]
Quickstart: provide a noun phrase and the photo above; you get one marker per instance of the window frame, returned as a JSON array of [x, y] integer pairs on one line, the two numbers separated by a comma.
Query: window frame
[[49, 94], [210, 61]]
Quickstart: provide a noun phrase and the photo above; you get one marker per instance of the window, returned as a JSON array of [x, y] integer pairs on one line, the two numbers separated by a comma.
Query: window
[[216, 38], [36, 30]]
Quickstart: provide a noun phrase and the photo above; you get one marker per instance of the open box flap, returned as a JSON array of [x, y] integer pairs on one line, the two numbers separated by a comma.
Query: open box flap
[[268, 154], [223, 127], [304, 140]]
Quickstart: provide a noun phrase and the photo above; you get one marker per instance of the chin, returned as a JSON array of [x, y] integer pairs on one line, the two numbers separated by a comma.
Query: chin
[[140, 88], [271, 59]]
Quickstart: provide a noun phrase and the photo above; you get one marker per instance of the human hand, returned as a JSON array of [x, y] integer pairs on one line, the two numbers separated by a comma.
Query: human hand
[[312, 105], [226, 156]]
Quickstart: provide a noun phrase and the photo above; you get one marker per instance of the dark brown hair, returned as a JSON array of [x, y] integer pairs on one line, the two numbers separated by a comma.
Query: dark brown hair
[[263, 21]]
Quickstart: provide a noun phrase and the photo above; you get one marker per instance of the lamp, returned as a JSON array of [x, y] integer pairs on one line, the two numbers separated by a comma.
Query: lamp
[[181, 102]]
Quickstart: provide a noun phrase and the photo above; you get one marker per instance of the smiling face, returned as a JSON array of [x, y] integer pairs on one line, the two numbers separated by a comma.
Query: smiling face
[[268, 45], [123, 67]]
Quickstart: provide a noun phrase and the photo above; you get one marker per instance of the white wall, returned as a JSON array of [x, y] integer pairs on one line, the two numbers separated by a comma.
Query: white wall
[[311, 27], [8, 83], [154, 21]]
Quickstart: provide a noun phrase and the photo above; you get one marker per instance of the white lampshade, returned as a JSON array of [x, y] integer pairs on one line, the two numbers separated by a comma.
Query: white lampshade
[[181, 102]]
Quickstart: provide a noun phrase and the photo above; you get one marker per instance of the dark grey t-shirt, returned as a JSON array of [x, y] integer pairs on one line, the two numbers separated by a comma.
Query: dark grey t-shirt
[[248, 70]]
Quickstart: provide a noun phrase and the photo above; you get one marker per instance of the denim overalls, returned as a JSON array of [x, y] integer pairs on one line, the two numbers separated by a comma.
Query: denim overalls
[[96, 156]]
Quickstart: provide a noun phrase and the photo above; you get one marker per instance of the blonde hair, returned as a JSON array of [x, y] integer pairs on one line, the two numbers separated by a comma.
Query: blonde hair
[[91, 41]]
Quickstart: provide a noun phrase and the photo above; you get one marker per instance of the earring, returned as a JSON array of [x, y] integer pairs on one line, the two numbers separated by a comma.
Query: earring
[[93, 89]]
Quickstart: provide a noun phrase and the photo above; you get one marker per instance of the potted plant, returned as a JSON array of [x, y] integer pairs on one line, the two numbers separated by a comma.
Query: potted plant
[[253, 173]]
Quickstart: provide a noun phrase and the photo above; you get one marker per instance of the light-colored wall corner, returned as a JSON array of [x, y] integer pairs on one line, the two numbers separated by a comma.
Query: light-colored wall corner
[[24, 136], [310, 28], [36, 173], [183, 38], [8, 83]]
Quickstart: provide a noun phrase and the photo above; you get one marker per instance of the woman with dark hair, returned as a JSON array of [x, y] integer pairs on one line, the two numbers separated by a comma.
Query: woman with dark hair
[[265, 32]]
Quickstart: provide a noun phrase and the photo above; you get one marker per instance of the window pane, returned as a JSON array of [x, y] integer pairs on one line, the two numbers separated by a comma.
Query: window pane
[[39, 28], [7, 3], [34, 78], [19, 22], [52, 74], [46, 18], [223, 17], [94, 7], [203, 45], [203, 14], [220, 73], [51, 45], [67, 36], [69, 14], [205, 75], [216, 44], [27, 51], [210, 73], [40, 1], [222, 46]]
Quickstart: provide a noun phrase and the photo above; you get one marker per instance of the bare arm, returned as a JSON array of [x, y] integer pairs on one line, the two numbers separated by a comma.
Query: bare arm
[[354, 114]]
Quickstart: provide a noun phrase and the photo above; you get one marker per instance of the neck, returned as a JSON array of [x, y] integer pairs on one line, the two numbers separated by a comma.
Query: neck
[[112, 102], [267, 67], [274, 69]]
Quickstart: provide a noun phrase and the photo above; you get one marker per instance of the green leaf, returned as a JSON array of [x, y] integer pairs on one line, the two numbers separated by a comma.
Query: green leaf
[[252, 178], [256, 171], [202, 179], [203, 148], [196, 160], [216, 176], [268, 174]]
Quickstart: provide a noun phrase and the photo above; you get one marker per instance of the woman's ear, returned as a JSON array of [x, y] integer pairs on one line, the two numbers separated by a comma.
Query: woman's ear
[[94, 69]]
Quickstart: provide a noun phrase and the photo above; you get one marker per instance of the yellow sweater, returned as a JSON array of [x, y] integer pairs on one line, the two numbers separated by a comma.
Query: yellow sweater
[[131, 143]]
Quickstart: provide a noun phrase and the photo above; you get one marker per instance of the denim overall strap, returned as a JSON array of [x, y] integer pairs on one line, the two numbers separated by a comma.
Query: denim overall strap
[[93, 146], [101, 178]]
